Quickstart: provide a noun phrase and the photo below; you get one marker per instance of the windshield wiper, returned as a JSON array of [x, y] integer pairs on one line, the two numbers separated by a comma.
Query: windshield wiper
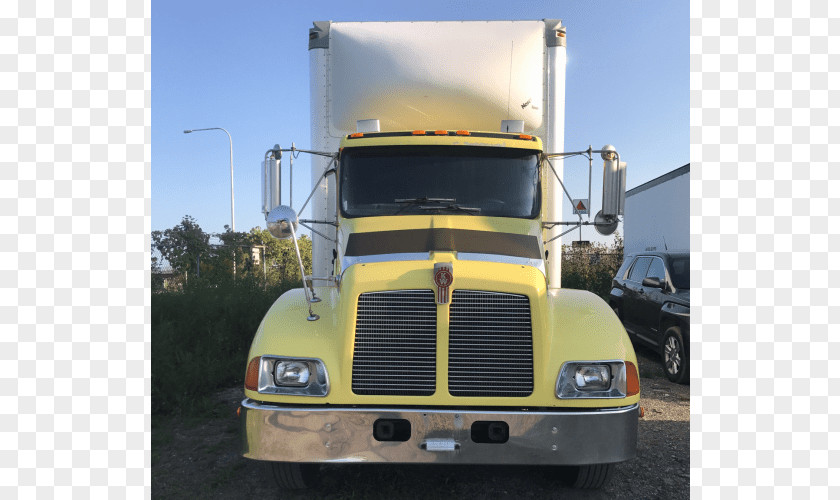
[[417, 201], [451, 206], [442, 204], [414, 201]]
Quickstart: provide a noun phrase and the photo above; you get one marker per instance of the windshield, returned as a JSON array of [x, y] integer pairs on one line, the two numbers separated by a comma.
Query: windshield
[[680, 272], [411, 180]]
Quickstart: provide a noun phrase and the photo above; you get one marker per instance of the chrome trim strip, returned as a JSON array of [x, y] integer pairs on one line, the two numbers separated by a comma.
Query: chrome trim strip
[[347, 261], [257, 405], [323, 434]]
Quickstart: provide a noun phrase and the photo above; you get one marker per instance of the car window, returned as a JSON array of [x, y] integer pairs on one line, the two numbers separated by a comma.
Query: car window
[[625, 267], [639, 269], [680, 275], [656, 269]]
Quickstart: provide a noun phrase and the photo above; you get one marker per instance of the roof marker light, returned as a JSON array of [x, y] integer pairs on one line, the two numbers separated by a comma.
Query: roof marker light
[[418, 132], [357, 134], [462, 132], [441, 132]]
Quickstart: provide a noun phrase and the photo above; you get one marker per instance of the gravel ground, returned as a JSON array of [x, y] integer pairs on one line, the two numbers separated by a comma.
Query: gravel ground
[[200, 458]]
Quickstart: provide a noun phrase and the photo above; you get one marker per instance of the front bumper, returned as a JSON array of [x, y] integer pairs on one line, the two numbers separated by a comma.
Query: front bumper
[[323, 434]]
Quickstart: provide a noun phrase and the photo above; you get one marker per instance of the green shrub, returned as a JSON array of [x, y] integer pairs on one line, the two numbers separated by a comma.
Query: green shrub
[[592, 267], [201, 337]]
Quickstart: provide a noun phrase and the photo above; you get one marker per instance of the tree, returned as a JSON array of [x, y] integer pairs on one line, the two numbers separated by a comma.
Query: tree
[[592, 267], [183, 245], [281, 260]]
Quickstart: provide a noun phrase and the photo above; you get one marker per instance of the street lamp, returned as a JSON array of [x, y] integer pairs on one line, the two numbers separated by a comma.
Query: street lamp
[[232, 218]]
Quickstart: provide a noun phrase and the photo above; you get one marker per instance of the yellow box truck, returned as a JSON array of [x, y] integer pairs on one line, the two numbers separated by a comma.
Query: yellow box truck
[[433, 328]]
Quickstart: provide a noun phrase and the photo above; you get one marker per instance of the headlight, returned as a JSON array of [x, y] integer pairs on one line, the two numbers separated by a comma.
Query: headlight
[[291, 373], [293, 376], [592, 379]]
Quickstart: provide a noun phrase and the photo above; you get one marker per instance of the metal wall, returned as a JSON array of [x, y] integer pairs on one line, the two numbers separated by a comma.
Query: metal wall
[[657, 213]]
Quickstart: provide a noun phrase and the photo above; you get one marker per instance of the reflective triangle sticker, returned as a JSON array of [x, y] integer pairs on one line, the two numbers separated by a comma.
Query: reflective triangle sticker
[[581, 206]]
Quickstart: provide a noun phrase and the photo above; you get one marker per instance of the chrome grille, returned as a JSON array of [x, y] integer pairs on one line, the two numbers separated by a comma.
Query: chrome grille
[[396, 337], [490, 345]]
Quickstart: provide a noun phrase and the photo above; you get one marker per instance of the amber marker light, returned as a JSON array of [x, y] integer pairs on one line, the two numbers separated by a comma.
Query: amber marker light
[[252, 376], [462, 132], [418, 132], [632, 379], [441, 132], [525, 137], [356, 135]]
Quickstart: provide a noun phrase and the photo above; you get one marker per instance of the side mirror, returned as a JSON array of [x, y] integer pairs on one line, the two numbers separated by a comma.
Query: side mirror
[[278, 220], [615, 177], [271, 182], [655, 283]]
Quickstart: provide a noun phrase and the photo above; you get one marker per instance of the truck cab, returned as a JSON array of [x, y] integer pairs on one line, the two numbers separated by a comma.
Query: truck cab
[[438, 338]]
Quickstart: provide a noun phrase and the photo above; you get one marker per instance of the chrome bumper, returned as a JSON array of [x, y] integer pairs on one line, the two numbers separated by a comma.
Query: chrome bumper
[[319, 434]]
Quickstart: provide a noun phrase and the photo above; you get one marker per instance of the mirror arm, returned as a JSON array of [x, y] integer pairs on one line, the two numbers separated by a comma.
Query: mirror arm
[[330, 169], [326, 222], [319, 233], [564, 189], [311, 289], [576, 225]]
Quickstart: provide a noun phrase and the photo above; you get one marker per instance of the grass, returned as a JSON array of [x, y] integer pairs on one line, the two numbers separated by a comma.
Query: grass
[[200, 339]]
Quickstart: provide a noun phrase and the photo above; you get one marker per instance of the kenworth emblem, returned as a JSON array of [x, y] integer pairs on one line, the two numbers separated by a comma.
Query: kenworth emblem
[[443, 278]]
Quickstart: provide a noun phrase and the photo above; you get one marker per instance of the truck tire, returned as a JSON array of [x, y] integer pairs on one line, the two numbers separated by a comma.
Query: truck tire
[[588, 477], [294, 476], [674, 358]]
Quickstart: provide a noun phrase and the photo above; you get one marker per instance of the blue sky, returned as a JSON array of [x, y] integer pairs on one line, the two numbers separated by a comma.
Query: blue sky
[[246, 68]]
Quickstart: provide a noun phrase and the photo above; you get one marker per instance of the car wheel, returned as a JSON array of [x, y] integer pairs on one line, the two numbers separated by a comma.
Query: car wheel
[[294, 476], [674, 358], [588, 477]]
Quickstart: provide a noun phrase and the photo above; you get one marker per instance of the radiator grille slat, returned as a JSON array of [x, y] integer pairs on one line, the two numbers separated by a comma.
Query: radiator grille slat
[[396, 338], [490, 345]]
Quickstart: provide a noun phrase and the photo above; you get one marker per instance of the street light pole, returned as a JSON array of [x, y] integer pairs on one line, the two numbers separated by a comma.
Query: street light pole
[[232, 217]]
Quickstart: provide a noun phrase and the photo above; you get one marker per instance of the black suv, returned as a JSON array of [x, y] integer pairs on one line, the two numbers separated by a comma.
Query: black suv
[[650, 294]]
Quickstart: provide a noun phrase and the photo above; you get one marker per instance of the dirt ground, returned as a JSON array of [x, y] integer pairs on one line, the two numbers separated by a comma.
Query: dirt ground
[[200, 459]]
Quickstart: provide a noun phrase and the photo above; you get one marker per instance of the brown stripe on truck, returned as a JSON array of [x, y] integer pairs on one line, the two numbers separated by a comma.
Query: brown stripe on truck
[[441, 240]]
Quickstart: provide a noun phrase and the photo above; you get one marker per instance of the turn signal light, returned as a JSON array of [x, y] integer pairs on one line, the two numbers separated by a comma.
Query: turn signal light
[[632, 379], [252, 376]]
